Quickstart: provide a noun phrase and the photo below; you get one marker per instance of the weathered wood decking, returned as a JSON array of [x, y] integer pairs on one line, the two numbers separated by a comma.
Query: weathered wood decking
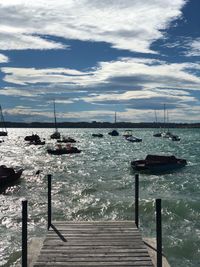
[[93, 244]]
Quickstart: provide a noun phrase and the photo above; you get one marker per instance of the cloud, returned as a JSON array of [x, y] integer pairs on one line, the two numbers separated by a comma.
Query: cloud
[[131, 25], [124, 74], [193, 48], [3, 59]]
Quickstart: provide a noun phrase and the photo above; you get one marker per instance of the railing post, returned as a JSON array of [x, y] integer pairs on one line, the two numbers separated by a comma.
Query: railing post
[[24, 233], [137, 200], [159, 232], [49, 201]]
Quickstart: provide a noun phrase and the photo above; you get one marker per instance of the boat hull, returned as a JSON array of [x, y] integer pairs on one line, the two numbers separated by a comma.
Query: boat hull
[[158, 164], [3, 133], [62, 151], [7, 180]]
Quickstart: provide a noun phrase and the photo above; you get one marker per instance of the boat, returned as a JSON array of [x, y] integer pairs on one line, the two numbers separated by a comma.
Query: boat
[[59, 150], [56, 134], [32, 138], [158, 163], [175, 138], [158, 134], [114, 133], [97, 135], [37, 143], [133, 139], [66, 140], [127, 133], [8, 176], [3, 132]]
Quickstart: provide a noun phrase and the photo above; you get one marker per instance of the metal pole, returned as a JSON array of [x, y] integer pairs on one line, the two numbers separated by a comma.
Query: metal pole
[[159, 232], [49, 201], [137, 200], [24, 233]]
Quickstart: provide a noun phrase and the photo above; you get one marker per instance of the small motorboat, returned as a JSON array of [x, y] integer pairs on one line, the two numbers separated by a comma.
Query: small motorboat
[[166, 134], [97, 135], [133, 139], [157, 135], [8, 176], [158, 163], [66, 140], [175, 138], [59, 150], [114, 133], [127, 133], [32, 138]]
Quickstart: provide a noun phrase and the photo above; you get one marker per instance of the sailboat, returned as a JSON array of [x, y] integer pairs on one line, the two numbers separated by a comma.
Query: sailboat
[[114, 132], [158, 134], [56, 134], [4, 130]]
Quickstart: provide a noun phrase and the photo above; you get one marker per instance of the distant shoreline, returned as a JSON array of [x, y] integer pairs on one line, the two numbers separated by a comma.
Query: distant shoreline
[[95, 124]]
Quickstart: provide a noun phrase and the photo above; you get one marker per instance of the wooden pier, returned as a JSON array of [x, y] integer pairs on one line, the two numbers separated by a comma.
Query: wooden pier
[[92, 243], [81, 244]]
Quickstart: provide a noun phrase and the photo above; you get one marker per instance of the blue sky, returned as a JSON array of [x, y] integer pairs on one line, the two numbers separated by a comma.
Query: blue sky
[[97, 57]]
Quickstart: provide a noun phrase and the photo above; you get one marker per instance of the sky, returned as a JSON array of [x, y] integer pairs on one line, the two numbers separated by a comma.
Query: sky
[[95, 58]]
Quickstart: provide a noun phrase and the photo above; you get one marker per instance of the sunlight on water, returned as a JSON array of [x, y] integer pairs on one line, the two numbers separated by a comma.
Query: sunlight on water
[[98, 184]]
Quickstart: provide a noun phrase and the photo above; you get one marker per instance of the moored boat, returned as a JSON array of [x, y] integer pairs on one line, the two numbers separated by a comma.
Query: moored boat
[[32, 138], [158, 163], [8, 176], [97, 135], [59, 150], [128, 133], [56, 134], [114, 133], [133, 139]]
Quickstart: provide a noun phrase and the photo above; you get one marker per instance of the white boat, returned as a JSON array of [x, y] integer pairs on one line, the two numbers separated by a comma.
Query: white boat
[[133, 139]]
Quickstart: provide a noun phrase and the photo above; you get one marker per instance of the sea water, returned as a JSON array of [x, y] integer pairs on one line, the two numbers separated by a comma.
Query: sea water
[[98, 184]]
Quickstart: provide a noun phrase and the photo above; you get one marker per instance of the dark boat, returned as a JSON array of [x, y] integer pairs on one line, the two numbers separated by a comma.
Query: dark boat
[[32, 138], [175, 138], [56, 134], [67, 140], [63, 150], [37, 143], [157, 135], [158, 163], [3, 132], [114, 133], [8, 176], [97, 135], [133, 139]]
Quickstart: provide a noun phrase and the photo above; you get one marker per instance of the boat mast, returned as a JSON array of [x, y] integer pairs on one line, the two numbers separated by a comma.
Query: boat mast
[[156, 118], [55, 122], [115, 117], [2, 119], [164, 116]]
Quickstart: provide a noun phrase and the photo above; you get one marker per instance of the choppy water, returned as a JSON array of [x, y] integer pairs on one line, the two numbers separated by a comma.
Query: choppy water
[[98, 184]]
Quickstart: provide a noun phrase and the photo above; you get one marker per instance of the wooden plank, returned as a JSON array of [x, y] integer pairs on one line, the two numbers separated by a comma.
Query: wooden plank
[[94, 264], [95, 244]]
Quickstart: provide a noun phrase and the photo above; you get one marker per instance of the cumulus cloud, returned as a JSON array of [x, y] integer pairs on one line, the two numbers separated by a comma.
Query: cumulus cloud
[[132, 25]]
